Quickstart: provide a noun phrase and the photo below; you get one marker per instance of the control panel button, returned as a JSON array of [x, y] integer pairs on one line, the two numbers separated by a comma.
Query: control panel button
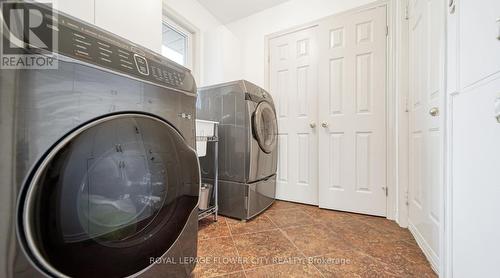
[[142, 64]]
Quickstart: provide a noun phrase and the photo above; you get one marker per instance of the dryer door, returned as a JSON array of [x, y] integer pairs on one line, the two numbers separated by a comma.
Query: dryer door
[[109, 197], [265, 126]]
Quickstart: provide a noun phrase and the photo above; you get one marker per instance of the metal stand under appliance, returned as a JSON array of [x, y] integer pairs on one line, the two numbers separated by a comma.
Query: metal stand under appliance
[[212, 139]]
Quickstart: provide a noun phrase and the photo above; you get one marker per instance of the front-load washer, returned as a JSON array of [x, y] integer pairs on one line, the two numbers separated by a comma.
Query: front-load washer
[[98, 172], [248, 147]]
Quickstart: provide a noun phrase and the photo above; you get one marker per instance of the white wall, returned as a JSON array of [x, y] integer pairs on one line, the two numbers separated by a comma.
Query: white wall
[[222, 57], [252, 30], [226, 52], [82, 9], [219, 48], [236, 50], [139, 23]]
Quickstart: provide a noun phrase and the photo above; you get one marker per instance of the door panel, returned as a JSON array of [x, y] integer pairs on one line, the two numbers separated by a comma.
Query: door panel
[[293, 82], [352, 111], [426, 139]]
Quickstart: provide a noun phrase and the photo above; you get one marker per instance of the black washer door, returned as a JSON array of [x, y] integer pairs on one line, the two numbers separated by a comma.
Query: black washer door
[[109, 197], [265, 126]]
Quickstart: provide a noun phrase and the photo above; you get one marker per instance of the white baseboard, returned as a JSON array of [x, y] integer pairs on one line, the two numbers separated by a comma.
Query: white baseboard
[[428, 252]]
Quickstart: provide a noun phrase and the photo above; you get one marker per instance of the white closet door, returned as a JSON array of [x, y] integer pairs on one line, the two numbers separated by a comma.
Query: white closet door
[[293, 83], [426, 61], [352, 112]]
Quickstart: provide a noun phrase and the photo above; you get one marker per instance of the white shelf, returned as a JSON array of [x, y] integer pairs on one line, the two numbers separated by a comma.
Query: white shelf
[[207, 133]]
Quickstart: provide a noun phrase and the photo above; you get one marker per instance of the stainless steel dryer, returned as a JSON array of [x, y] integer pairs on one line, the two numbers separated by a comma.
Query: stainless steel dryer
[[98, 173], [247, 146]]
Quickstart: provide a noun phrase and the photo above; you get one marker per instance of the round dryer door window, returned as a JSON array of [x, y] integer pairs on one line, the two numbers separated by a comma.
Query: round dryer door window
[[265, 126], [109, 197]]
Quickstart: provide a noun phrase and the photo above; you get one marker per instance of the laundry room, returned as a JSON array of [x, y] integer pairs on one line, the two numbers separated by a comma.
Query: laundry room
[[249, 138]]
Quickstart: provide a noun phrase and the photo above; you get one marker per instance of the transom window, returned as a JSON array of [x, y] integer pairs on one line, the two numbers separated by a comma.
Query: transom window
[[177, 43]]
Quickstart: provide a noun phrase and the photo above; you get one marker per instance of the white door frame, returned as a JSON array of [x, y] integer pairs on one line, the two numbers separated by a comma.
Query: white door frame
[[396, 95]]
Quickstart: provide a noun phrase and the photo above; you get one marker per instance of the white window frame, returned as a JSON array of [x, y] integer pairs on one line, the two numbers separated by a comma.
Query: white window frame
[[188, 55], [192, 33]]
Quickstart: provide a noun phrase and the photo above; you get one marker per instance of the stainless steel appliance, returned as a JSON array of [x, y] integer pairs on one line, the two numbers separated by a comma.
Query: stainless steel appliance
[[247, 146], [98, 173]]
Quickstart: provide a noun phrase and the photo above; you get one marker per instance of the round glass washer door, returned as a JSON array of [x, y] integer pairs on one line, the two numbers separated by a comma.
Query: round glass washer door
[[109, 197], [265, 126]]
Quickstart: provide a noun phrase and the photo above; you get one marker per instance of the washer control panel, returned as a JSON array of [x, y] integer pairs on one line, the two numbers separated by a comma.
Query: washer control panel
[[142, 64], [88, 43]]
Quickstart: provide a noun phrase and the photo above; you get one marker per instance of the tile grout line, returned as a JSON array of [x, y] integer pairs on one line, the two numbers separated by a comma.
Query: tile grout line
[[236, 247], [215, 237], [251, 233], [322, 224], [296, 247], [310, 212], [284, 209], [260, 231], [276, 229], [381, 229], [269, 218], [304, 255], [218, 237], [295, 225], [282, 233], [298, 226], [225, 274], [259, 267], [360, 250]]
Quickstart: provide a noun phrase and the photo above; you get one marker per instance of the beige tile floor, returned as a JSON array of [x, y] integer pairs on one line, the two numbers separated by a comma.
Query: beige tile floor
[[295, 240]]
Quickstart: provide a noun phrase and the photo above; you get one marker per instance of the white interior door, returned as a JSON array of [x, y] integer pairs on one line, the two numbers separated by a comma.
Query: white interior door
[[426, 80], [352, 111], [293, 83]]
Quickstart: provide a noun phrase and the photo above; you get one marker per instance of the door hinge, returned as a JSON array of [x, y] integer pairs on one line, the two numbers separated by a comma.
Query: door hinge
[[407, 14], [387, 30], [407, 199], [386, 190], [406, 105]]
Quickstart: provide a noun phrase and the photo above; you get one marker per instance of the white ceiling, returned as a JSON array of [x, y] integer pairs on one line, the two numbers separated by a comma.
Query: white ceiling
[[227, 11]]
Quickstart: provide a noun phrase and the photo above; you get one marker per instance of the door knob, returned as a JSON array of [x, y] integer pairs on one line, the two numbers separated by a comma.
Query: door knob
[[498, 23], [312, 124], [497, 109], [324, 124], [434, 111]]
